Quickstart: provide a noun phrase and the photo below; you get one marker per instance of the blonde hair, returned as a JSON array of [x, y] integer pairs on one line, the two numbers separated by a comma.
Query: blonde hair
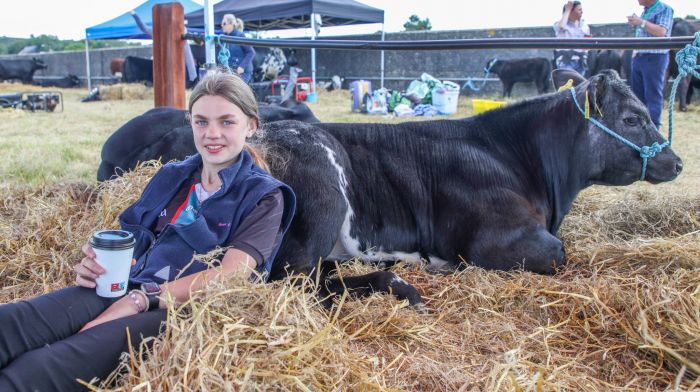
[[239, 25], [229, 19], [233, 89]]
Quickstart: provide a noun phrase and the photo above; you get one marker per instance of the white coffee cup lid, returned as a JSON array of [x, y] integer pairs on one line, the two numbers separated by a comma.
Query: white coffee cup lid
[[112, 239]]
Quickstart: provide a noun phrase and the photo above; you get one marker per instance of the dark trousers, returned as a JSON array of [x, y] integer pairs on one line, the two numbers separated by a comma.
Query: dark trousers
[[648, 74], [41, 349]]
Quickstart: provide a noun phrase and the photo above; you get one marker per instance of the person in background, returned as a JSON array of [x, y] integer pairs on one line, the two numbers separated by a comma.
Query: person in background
[[649, 65], [221, 197], [240, 56], [190, 66], [571, 25]]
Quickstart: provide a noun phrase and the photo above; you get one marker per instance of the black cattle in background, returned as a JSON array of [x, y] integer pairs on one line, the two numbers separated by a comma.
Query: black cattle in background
[[536, 70], [683, 28], [164, 133], [22, 69], [137, 70], [627, 66], [64, 82], [598, 60]]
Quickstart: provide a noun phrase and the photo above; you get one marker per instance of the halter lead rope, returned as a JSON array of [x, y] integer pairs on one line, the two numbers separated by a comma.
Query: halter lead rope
[[645, 152], [686, 59], [224, 53], [487, 72]]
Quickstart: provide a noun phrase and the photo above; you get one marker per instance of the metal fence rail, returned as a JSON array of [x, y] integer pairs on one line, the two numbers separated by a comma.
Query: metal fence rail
[[485, 43]]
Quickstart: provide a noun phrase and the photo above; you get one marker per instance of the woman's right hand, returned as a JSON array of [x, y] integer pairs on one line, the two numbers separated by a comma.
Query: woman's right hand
[[568, 6], [88, 269]]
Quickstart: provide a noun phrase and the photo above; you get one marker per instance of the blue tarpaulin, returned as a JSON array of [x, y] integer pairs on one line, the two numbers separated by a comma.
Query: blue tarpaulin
[[124, 27]]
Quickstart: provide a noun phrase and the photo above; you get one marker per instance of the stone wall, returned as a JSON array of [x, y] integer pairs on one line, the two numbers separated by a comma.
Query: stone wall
[[400, 66]]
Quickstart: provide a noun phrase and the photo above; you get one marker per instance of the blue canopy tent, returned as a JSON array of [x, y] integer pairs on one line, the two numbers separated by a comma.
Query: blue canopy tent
[[124, 26]]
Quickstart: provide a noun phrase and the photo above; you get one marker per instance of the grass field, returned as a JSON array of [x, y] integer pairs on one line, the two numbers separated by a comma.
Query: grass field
[[623, 315]]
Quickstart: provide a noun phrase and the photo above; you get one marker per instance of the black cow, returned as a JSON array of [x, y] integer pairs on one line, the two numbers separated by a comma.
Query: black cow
[[491, 190], [681, 28], [599, 60], [20, 69], [165, 134], [535, 70], [64, 82], [137, 70]]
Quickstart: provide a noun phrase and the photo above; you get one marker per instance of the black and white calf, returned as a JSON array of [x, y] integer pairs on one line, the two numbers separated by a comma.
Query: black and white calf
[[491, 190]]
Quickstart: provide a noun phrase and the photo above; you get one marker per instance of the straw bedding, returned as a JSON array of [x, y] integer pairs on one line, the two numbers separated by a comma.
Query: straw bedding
[[624, 314]]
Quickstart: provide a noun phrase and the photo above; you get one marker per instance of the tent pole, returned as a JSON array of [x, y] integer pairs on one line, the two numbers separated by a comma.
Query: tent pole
[[313, 53], [381, 81], [87, 63], [209, 48]]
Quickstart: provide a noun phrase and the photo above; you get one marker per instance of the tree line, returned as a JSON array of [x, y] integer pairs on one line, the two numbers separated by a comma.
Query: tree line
[[51, 43]]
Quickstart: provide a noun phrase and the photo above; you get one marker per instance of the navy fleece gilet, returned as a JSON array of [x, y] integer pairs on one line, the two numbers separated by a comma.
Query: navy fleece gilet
[[243, 185]]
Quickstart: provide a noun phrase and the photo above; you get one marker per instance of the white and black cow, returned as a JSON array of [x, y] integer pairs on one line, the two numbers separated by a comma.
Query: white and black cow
[[20, 69], [490, 190], [165, 134]]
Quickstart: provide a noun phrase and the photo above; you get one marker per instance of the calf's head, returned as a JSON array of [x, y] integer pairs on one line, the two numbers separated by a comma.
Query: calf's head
[[38, 63], [494, 66], [613, 104]]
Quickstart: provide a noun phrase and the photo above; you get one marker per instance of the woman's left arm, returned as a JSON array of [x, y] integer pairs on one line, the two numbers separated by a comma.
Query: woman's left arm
[[235, 263]]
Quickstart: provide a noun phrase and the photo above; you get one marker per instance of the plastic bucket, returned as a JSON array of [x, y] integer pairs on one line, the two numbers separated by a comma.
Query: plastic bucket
[[358, 89], [482, 105], [445, 100], [311, 97]]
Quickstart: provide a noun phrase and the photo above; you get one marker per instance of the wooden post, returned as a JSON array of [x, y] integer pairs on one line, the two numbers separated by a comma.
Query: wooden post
[[168, 54]]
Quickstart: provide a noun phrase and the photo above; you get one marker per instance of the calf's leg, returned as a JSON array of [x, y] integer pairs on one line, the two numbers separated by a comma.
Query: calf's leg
[[529, 247], [365, 285]]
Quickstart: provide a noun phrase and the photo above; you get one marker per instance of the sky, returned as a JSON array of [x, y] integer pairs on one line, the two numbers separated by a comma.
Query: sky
[[68, 19]]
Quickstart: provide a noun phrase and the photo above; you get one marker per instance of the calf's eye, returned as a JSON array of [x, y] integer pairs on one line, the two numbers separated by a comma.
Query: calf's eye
[[631, 121]]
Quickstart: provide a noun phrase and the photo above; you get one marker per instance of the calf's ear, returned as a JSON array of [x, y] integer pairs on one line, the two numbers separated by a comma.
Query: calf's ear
[[561, 77]]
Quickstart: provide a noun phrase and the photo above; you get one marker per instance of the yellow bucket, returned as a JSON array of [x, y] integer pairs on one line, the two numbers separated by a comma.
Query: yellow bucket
[[482, 105]]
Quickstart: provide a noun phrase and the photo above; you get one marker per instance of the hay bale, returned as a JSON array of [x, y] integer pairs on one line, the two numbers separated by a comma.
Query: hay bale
[[622, 315], [125, 91]]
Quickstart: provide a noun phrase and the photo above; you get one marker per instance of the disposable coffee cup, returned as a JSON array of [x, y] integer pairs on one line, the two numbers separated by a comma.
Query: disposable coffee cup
[[114, 250]]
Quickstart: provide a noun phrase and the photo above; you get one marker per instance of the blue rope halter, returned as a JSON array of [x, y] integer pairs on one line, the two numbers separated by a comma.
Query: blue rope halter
[[487, 70], [645, 152], [686, 59]]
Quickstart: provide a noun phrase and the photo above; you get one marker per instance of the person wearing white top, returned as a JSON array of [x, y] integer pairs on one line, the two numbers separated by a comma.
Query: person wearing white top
[[571, 25]]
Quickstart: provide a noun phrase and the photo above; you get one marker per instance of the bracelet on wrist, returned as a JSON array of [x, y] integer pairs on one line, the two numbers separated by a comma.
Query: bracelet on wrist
[[138, 297]]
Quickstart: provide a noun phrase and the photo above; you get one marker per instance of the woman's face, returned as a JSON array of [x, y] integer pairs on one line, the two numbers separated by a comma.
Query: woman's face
[[227, 27], [220, 129], [576, 13]]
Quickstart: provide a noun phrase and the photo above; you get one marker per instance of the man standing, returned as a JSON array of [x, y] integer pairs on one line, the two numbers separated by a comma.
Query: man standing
[[649, 66]]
